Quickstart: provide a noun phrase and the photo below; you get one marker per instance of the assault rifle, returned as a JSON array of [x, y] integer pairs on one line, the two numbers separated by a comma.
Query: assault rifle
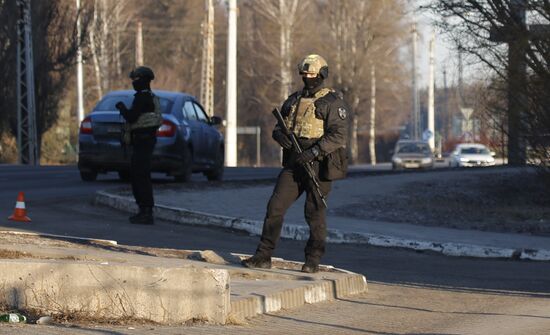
[[298, 148]]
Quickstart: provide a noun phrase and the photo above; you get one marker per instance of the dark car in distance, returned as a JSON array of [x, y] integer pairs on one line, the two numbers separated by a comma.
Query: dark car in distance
[[187, 141]]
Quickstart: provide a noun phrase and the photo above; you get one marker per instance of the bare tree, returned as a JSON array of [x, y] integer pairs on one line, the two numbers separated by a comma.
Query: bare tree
[[284, 14], [8, 47], [361, 32], [109, 19], [273, 35], [479, 27]]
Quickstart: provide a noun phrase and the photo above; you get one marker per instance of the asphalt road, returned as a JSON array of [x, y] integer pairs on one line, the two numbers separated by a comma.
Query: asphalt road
[[59, 203]]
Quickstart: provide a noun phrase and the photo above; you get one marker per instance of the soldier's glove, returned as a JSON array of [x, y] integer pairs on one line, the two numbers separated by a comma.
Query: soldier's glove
[[120, 106], [282, 139], [307, 156]]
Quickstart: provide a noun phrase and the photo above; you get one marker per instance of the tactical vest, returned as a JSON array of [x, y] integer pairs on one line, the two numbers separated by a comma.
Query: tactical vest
[[151, 119], [301, 119], [145, 120]]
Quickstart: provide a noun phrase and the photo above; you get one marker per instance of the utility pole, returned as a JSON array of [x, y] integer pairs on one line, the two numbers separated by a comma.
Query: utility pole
[[416, 106], [27, 143], [431, 88], [460, 77], [139, 44], [207, 78], [372, 126], [517, 82], [467, 112], [231, 129], [518, 43], [79, 71], [445, 103], [517, 36]]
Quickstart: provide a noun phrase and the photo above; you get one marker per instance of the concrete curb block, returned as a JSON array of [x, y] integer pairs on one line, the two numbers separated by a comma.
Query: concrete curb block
[[296, 232], [167, 295], [325, 290]]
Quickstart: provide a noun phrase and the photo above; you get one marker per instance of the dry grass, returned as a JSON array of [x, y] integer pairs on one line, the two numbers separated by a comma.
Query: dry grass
[[8, 149], [86, 319], [13, 254], [234, 319]]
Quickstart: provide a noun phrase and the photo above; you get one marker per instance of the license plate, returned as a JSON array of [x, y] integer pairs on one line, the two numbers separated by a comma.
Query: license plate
[[412, 165], [113, 129]]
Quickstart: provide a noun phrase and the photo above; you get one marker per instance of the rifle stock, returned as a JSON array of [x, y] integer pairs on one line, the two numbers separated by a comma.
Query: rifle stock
[[298, 148]]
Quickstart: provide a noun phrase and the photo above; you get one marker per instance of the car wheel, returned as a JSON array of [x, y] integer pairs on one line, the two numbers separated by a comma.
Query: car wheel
[[217, 173], [124, 175], [89, 175], [187, 170]]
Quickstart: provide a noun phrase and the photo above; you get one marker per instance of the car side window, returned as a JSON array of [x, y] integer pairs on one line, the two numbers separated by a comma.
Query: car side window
[[200, 113], [189, 111]]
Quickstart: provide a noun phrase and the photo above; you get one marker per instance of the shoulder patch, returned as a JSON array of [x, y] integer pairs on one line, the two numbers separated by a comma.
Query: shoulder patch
[[342, 113]]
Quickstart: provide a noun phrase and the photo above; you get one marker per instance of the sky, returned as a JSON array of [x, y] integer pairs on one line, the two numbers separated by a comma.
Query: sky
[[446, 56]]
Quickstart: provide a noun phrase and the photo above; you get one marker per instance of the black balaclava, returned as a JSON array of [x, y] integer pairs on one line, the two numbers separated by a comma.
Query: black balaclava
[[311, 84], [141, 84]]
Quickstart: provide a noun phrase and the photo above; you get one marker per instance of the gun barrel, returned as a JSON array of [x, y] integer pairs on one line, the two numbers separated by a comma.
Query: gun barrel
[[308, 166]]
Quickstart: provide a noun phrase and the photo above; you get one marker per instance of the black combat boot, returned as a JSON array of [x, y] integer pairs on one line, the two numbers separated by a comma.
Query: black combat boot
[[145, 216], [310, 267], [257, 261]]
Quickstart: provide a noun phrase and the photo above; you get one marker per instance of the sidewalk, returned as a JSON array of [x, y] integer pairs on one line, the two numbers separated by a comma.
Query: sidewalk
[[244, 208], [56, 274]]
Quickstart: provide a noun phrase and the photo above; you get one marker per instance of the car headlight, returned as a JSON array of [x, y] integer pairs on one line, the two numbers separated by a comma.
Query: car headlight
[[426, 160], [490, 160], [397, 160], [464, 159]]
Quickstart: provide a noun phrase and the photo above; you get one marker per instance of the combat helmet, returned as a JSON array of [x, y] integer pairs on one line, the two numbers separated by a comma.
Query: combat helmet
[[142, 72], [314, 64]]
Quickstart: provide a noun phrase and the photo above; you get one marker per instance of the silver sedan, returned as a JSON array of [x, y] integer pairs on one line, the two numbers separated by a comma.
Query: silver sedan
[[471, 155]]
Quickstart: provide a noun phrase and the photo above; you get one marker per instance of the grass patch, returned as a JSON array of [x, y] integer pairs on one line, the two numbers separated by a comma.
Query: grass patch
[[14, 254]]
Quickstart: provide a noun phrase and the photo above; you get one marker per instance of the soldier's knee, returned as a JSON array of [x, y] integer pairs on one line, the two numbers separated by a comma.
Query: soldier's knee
[[276, 205]]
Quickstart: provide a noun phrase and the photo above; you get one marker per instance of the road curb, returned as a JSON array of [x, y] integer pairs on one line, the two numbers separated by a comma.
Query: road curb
[[180, 215], [325, 290]]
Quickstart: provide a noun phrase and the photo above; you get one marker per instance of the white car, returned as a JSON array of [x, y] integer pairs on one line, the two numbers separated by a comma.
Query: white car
[[471, 154]]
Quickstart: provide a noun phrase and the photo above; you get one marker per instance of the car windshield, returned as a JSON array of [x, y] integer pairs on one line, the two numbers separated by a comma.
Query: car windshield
[[475, 151], [413, 148], [108, 103]]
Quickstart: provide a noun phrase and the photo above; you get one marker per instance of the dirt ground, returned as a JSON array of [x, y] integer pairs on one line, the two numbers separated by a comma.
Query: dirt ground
[[499, 202]]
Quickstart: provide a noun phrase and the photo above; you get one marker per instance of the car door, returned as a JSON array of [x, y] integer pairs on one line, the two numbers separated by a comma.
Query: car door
[[210, 135], [196, 131]]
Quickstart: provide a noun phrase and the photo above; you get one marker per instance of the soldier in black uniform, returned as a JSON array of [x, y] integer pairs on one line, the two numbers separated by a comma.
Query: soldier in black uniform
[[317, 115], [143, 120]]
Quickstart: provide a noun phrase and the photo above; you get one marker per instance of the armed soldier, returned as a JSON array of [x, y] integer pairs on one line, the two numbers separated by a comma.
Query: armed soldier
[[317, 117], [143, 120]]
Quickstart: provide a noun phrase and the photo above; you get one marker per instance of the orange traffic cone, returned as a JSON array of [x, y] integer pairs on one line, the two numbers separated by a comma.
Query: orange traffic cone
[[20, 213]]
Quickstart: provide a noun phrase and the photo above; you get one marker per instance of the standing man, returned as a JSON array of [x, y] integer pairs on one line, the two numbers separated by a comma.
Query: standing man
[[317, 116], [142, 122]]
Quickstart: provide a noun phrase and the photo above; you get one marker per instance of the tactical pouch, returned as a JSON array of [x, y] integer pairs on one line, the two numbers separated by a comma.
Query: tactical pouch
[[126, 134], [335, 165]]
